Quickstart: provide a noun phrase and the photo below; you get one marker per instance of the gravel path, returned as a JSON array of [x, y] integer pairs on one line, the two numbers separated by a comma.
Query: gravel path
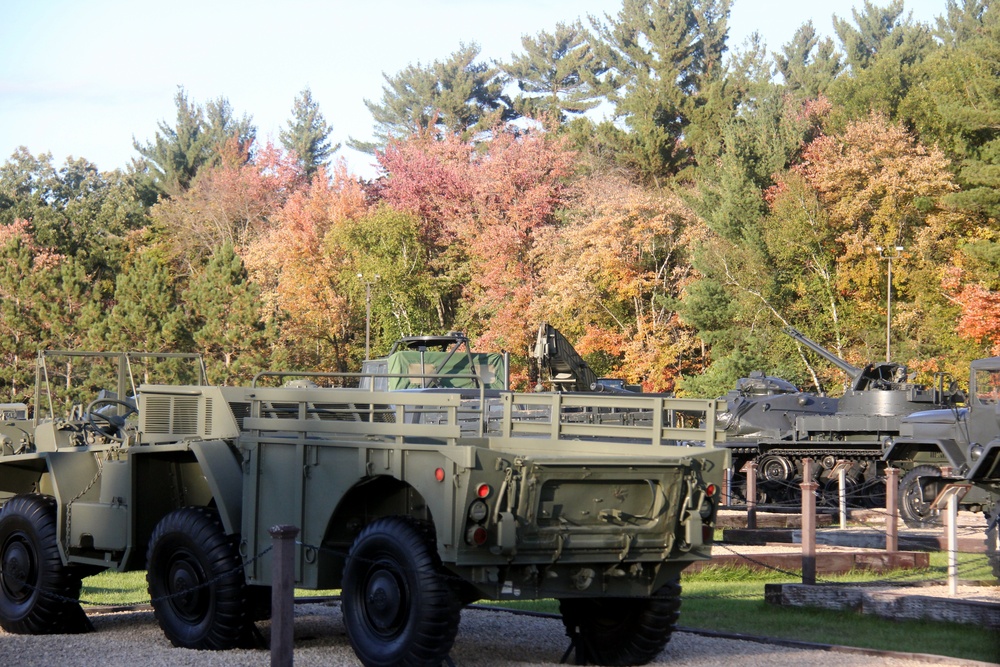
[[485, 638]]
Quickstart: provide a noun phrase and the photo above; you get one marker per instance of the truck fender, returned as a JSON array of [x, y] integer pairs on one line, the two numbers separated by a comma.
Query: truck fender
[[902, 449], [224, 474], [987, 466]]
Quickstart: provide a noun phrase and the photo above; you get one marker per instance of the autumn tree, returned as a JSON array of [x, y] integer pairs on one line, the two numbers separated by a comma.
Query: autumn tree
[[481, 211], [308, 135], [299, 274], [612, 277], [74, 210], [231, 203]]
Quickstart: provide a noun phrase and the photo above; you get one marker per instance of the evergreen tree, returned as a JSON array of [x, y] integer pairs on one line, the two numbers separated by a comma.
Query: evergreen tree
[[308, 135], [225, 319], [557, 73], [882, 50], [807, 64], [959, 105], [146, 314], [661, 59], [176, 154], [456, 95]]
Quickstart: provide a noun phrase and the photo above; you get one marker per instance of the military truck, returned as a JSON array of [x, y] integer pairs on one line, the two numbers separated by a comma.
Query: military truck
[[414, 502], [954, 445]]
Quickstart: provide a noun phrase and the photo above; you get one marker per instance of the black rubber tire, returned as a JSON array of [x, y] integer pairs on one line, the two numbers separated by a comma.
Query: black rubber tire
[[38, 593], [622, 631], [398, 603], [914, 512], [993, 540], [188, 549]]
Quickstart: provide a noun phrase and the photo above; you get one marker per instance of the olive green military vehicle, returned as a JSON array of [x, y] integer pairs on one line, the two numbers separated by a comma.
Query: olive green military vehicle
[[956, 445], [413, 502]]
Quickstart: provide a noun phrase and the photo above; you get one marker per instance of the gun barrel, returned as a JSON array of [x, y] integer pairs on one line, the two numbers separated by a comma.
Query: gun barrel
[[850, 369]]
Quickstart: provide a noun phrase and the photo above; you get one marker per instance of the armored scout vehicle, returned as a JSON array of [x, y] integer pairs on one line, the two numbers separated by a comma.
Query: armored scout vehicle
[[955, 445], [413, 502]]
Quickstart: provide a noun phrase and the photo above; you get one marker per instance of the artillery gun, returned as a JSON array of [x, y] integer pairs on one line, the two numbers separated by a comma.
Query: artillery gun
[[769, 421], [954, 445], [413, 502]]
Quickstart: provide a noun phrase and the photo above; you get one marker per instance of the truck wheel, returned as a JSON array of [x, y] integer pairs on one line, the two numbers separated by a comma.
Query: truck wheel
[[399, 607], [196, 583], [622, 631], [915, 512], [38, 594]]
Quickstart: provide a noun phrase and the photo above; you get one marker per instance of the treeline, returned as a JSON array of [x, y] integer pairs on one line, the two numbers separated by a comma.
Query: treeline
[[732, 192]]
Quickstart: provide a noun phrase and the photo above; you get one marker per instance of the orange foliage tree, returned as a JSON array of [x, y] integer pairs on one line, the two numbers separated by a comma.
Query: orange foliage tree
[[612, 277], [482, 208], [299, 276]]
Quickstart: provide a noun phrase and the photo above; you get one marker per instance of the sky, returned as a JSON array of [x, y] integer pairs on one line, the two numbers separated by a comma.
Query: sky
[[85, 78]]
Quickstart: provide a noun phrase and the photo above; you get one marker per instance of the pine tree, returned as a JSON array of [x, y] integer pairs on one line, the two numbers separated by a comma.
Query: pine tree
[[661, 59], [557, 73], [146, 314], [308, 135], [456, 95], [176, 154], [225, 319], [807, 64]]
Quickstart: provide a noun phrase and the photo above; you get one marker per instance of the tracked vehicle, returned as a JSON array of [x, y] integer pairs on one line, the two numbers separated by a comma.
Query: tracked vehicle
[[414, 502], [769, 421]]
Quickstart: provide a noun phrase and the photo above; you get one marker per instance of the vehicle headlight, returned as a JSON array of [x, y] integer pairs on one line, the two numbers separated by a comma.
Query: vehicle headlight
[[975, 451]]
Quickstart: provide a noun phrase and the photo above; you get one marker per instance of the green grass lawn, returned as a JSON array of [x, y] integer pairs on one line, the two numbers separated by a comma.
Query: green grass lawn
[[732, 600]]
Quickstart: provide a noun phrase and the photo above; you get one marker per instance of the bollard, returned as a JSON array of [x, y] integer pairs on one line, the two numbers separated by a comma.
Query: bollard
[[808, 487], [729, 487], [751, 471], [892, 509], [953, 544], [283, 595]]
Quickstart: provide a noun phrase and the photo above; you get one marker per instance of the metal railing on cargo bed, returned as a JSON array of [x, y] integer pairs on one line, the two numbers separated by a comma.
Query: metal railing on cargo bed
[[445, 416]]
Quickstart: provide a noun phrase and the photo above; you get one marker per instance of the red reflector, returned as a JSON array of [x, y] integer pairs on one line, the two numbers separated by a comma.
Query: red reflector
[[476, 536], [439, 474], [710, 491], [483, 491]]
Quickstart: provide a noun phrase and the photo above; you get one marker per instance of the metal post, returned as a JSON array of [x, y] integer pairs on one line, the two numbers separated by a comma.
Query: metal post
[[729, 487], [808, 524], [884, 253], [842, 479], [953, 544], [892, 509], [841, 469], [751, 472], [283, 595]]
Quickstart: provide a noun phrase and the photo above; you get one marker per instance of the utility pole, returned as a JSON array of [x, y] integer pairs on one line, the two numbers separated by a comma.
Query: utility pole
[[888, 254], [368, 310]]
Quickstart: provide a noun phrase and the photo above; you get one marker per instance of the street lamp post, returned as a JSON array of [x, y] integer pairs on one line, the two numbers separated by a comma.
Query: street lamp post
[[368, 310], [888, 254]]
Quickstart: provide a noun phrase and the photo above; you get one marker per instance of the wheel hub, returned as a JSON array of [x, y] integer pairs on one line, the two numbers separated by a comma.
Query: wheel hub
[[183, 581], [384, 602], [16, 568]]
